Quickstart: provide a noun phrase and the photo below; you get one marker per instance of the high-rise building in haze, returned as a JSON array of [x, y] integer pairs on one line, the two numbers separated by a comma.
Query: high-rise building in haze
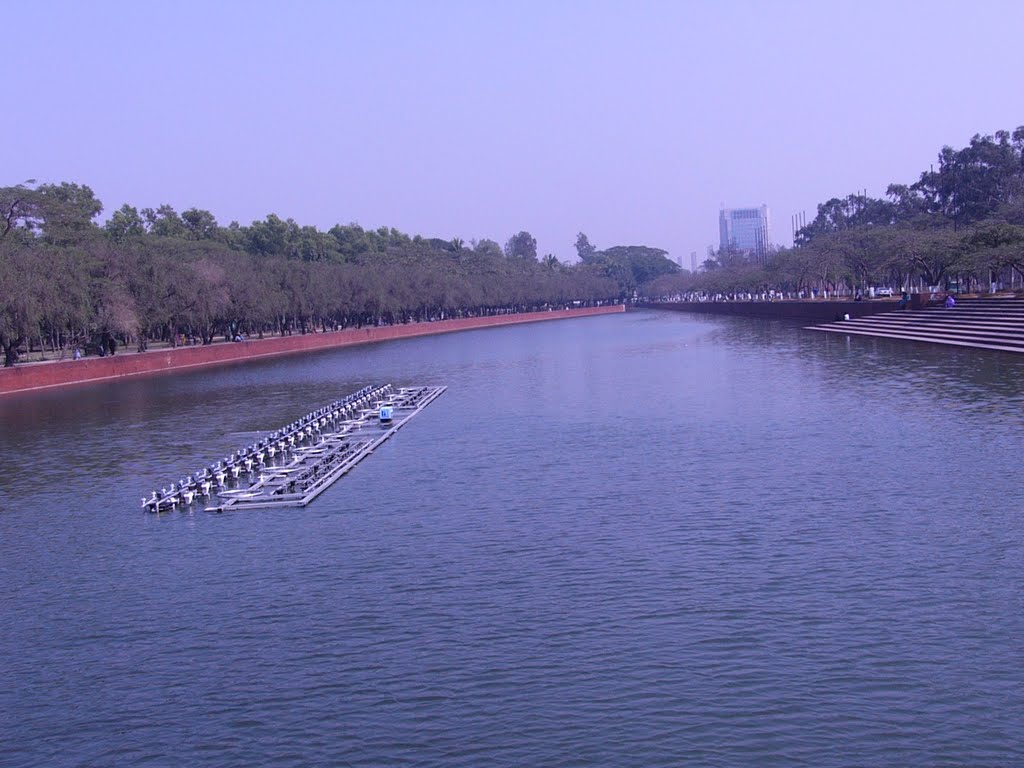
[[745, 229]]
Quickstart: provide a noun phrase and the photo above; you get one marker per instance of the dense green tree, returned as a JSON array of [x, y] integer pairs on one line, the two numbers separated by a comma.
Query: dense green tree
[[847, 213], [158, 275], [643, 262], [521, 245], [199, 224], [487, 248], [269, 237], [164, 222], [353, 241], [310, 244], [124, 223], [67, 211], [971, 183], [23, 284], [19, 208], [995, 245], [584, 250]]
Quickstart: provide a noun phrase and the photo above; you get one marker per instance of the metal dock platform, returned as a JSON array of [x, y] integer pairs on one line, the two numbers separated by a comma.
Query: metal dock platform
[[297, 463]]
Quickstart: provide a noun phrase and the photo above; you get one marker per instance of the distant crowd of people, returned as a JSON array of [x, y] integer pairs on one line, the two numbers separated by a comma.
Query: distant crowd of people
[[770, 295], [812, 294]]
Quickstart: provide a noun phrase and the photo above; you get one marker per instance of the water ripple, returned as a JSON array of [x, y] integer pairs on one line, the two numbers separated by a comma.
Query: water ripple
[[647, 540]]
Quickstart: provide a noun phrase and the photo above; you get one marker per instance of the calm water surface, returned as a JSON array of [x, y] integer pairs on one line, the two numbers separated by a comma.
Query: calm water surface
[[641, 540]]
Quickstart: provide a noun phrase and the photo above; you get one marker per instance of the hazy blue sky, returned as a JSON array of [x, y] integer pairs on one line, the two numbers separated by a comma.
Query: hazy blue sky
[[630, 121]]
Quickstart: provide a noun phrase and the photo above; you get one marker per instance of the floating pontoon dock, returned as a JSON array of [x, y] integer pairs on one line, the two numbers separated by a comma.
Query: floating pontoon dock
[[297, 463]]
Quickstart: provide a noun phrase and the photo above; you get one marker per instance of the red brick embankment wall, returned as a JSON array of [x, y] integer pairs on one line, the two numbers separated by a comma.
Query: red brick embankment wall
[[818, 311], [65, 372]]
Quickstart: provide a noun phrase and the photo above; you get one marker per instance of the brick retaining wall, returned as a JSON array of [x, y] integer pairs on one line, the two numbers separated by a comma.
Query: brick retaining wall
[[31, 376]]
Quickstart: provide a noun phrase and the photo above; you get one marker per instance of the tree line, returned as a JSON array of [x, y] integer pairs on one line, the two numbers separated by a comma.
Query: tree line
[[158, 275], [961, 224]]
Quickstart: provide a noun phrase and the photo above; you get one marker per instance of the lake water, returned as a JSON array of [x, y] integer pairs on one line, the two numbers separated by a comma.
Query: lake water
[[651, 539]]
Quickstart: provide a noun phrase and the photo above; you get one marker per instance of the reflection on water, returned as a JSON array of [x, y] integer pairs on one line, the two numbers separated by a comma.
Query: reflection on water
[[650, 539], [962, 381]]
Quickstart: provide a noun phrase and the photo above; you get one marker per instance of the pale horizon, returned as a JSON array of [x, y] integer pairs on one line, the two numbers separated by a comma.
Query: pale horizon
[[632, 124]]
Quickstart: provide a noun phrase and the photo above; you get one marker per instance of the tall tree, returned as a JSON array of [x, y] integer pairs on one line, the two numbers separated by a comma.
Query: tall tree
[[487, 247], [124, 223], [269, 237], [23, 284], [522, 245], [67, 211], [584, 250], [851, 211], [199, 224], [164, 222], [19, 208]]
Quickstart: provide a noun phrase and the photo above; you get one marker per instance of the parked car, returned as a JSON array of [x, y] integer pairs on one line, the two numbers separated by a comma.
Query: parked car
[[883, 292]]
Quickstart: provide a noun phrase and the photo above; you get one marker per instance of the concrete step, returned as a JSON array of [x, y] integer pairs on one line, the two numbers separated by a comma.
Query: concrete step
[[996, 324], [1009, 339], [929, 318], [1009, 312], [926, 316], [965, 313], [988, 327], [927, 339]]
